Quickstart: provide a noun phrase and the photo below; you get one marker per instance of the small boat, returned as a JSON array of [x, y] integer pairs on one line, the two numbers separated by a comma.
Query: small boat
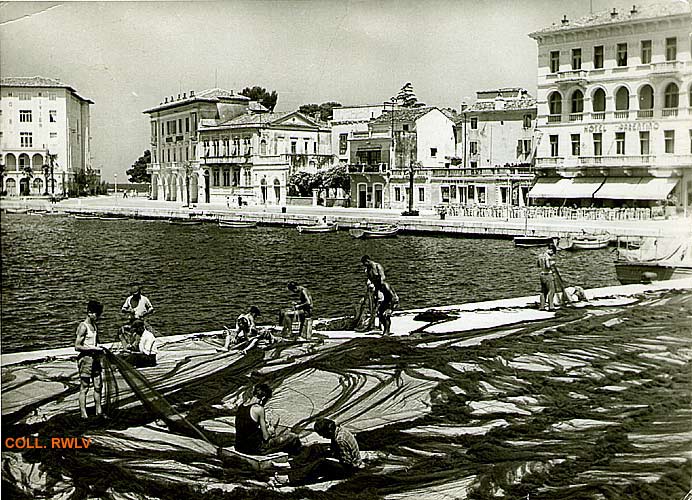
[[590, 241], [85, 216], [113, 217], [657, 259], [16, 211], [318, 228], [237, 224], [533, 241], [384, 231], [184, 222]]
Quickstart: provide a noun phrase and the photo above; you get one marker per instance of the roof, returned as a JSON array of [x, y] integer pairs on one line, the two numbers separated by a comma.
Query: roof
[[259, 119], [209, 95], [669, 8], [401, 115], [39, 82], [510, 105]]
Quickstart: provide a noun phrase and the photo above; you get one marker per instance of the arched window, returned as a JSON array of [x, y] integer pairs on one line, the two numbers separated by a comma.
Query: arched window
[[622, 99], [598, 101], [577, 102], [263, 147], [277, 191], [670, 97], [646, 98], [555, 103]]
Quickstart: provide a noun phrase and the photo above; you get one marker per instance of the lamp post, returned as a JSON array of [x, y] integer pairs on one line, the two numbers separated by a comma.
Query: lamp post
[[115, 185]]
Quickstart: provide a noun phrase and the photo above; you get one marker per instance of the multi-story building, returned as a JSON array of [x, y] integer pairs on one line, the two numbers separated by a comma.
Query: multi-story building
[[614, 108], [44, 135], [396, 142], [250, 158], [493, 163], [220, 147], [347, 120]]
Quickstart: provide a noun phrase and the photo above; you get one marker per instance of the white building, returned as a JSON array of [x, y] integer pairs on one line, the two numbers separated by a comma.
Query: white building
[[347, 120], [44, 135], [614, 102]]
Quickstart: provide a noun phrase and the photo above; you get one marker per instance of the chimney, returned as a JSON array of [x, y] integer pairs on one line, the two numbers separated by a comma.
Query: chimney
[[178, 96], [192, 93], [231, 92], [634, 10], [614, 13], [565, 20], [464, 106], [184, 95], [165, 100]]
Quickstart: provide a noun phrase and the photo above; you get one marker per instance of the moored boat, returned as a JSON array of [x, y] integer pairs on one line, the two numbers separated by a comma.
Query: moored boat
[[16, 211], [238, 224], [657, 259], [384, 231], [318, 228], [533, 241], [113, 217], [184, 222], [85, 216], [591, 241]]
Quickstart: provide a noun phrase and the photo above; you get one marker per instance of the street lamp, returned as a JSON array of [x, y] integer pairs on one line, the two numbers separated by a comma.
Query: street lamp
[[115, 185]]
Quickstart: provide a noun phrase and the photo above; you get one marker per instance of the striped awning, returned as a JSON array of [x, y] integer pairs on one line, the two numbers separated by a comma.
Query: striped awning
[[636, 188], [548, 187], [555, 187]]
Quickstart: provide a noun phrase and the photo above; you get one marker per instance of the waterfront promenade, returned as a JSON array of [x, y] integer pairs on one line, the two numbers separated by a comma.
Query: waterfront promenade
[[426, 222]]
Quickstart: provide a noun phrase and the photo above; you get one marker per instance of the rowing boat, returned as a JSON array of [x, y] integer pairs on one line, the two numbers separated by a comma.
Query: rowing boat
[[181, 222], [85, 216], [590, 241], [533, 241], [318, 228], [385, 231], [237, 224]]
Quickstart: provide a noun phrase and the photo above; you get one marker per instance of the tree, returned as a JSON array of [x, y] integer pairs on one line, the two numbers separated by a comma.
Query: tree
[[261, 95], [337, 178], [407, 97], [138, 172], [324, 111], [301, 184]]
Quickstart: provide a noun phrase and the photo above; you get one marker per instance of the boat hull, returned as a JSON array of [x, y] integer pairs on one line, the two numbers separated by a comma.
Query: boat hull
[[646, 272], [328, 228], [590, 244], [533, 241], [231, 224], [373, 233]]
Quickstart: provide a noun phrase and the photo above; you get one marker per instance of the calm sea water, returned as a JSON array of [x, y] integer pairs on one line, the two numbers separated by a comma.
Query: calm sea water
[[200, 278]]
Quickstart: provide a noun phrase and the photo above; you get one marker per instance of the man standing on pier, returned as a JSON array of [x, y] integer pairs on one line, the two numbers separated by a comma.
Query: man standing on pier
[[374, 270], [546, 264], [137, 306], [89, 358]]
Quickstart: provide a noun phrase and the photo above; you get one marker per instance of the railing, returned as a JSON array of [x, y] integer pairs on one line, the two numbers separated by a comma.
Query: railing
[[622, 114], [616, 161], [598, 115], [666, 67], [550, 162], [645, 113], [521, 213], [576, 117], [554, 118], [666, 112], [365, 168], [527, 172], [571, 75]]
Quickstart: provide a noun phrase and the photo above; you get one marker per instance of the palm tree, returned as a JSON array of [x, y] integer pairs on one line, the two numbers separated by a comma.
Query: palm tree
[[46, 171], [29, 173]]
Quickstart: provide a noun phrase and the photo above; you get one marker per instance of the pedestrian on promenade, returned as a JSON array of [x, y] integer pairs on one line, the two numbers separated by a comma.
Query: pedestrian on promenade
[[546, 264], [341, 460], [302, 309], [89, 358], [137, 306], [254, 435]]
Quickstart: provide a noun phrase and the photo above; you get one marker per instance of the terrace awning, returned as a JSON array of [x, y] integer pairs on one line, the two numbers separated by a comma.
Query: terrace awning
[[618, 188], [583, 187], [548, 187], [655, 188]]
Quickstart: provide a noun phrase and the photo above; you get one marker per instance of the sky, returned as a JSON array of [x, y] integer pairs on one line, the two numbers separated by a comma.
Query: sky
[[127, 56]]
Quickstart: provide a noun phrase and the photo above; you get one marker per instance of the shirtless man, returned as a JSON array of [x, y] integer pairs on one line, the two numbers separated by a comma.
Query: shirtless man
[[546, 263], [386, 306], [374, 270], [302, 308], [89, 358], [137, 306]]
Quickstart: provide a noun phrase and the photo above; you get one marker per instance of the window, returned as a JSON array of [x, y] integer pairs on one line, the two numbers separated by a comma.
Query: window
[[187, 124], [526, 147], [473, 148], [621, 57], [453, 192], [644, 143], [397, 194], [294, 147], [314, 147], [671, 49], [620, 143], [598, 101], [26, 139], [598, 57], [669, 139], [577, 102], [343, 143], [576, 148], [24, 116], [53, 135], [52, 96], [474, 164], [180, 125], [305, 147], [24, 96], [597, 144], [444, 191], [527, 121], [646, 51], [576, 59], [555, 103], [405, 127], [263, 147], [162, 129], [480, 190], [215, 177], [421, 194], [53, 117], [554, 61], [474, 123], [194, 123], [646, 98], [670, 97], [226, 177], [622, 99], [554, 150], [433, 152]]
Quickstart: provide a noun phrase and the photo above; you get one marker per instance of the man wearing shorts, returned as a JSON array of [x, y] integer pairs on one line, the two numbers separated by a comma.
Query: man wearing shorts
[[89, 358]]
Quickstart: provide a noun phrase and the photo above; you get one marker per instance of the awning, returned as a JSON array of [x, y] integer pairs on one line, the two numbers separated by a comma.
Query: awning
[[618, 188], [655, 188], [548, 187], [583, 187]]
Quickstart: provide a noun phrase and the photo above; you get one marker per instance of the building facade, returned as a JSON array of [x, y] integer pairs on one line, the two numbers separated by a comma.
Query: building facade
[[614, 109], [399, 141], [347, 120], [220, 147], [44, 135], [495, 149]]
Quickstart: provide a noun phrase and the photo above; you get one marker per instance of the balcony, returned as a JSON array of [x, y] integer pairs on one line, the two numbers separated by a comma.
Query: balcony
[[554, 118], [622, 115], [578, 76], [576, 117], [365, 168], [504, 172], [666, 68], [669, 112], [645, 113], [598, 115], [549, 163]]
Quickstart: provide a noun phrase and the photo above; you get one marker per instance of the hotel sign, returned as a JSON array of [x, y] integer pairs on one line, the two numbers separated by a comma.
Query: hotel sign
[[622, 127]]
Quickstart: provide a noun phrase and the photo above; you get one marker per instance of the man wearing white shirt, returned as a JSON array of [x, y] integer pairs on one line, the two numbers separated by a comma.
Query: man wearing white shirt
[[137, 306], [146, 353]]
